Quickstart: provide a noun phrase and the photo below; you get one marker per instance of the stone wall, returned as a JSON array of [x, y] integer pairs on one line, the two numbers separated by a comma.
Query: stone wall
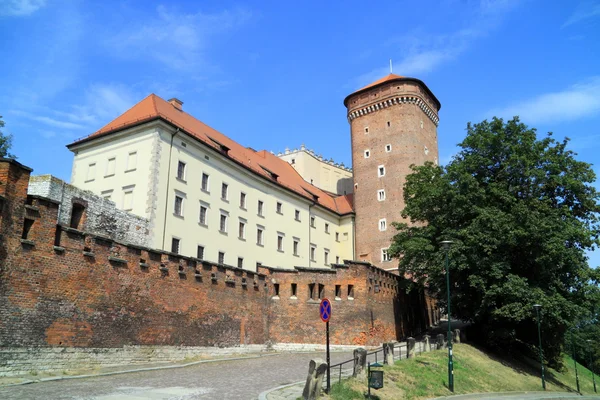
[[63, 288], [102, 217]]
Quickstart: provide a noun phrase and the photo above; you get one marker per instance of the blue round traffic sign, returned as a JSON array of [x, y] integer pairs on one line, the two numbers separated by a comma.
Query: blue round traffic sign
[[325, 310]]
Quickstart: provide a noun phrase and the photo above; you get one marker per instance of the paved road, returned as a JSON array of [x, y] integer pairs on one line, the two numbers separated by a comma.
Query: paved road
[[239, 379]]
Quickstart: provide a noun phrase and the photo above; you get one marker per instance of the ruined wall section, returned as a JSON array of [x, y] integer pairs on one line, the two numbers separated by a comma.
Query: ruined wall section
[[102, 217]]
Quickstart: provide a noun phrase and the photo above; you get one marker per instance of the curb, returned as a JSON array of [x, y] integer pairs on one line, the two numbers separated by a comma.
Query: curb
[[543, 395], [263, 395]]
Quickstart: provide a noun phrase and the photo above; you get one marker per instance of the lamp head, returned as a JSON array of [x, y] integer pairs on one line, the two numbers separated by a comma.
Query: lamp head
[[537, 306], [446, 244]]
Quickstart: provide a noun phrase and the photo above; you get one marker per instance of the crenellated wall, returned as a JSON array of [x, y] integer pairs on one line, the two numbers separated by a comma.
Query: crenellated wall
[[65, 288]]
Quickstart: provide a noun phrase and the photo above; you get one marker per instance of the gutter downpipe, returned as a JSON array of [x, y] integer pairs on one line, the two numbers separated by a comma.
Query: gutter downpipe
[[168, 185]]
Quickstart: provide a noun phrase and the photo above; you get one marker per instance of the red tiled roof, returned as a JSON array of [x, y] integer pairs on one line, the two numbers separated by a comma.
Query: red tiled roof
[[382, 80], [261, 163]]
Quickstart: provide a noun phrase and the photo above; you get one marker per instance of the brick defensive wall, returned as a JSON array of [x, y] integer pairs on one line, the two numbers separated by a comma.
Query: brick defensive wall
[[70, 297]]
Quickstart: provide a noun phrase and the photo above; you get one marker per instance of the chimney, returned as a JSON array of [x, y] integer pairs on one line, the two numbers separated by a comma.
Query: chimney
[[175, 102]]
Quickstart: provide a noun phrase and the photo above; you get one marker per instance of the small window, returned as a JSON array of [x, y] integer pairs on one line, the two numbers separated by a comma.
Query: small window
[[276, 289], [426, 150], [175, 245], [312, 221], [202, 218], [242, 230], [326, 227], [382, 224], [297, 215], [111, 166], [224, 191], [388, 148], [381, 195], [338, 291], [259, 237], [28, 223], [313, 251], [326, 257], [223, 223], [240, 263], [311, 291], [91, 173], [181, 170], [243, 200], [345, 237], [128, 199], [388, 124], [131, 161], [221, 258], [296, 243], [205, 182], [380, 171], [337, 236], [385, 256], [178, 206], [421, 124], [321, 291], [367, 153], [350, 292], [260, 207], [77, 213], [279, 208], [337, 259], [293, 161], [366, 130], [200, 252], [279, 243], [107, 194], [294, 289]]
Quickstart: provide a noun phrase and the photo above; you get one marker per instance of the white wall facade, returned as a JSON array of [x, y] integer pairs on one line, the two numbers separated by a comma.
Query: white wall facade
[[156, 186]]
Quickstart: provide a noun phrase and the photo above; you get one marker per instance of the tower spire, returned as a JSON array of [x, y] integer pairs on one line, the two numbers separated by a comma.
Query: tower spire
[[391, 71]]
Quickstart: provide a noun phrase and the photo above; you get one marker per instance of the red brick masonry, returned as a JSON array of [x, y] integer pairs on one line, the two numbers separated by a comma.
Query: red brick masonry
[[62, 287]]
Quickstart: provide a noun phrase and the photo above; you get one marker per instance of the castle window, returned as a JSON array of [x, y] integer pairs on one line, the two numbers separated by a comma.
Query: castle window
[[77, 213], [321, 291], [260, 208], [293, 161], [367, 154], [280, 242], [259, 236], [312, 221], [242, 230], [338, 292], [276, 288], [366, 130], [107, 194], [221, 259], [200, 252], [279, 208], [313, 251], [205, 182], [326, 227], [178, 209], [181, 170], [297, 215], [240, 263], [388, 123], [224, 191], [223, 224], [426, 150], [110, 167], [388, 148], [295, 248], [326, 257], [294, 289], [337, 236], [202, 217], [131, 164], [243, 200], [350, 292], [382, 224], [28, 223], [128, 198], [175, 245], [421, 124], [385, 256], [380, 171], [91, 172], [337, 259], [381, 195], [311, 291]]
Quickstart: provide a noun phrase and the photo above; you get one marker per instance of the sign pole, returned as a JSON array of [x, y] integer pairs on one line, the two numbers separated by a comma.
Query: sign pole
[[328, 363]]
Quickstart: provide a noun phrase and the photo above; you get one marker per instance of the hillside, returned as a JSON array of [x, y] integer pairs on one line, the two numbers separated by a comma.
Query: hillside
[[474, 372]]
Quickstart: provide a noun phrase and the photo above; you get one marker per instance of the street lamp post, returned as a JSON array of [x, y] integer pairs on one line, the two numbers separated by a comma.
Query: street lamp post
[[446, 244], [537, 310], [574, 361], [591, 365]]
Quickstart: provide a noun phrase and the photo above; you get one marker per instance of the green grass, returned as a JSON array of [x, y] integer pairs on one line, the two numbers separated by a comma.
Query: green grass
[[426, 376]]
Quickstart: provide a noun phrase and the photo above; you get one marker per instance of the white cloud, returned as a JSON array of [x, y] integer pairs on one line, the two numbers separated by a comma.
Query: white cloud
[[584, 11], [578, 101], [176, 39], [19, 8], [424, 52], [46, 120]]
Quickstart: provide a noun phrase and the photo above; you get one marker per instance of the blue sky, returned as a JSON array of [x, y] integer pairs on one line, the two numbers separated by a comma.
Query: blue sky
[[272, 75]]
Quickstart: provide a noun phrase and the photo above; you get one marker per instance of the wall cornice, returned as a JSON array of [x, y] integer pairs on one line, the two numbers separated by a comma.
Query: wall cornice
[[392, 101]]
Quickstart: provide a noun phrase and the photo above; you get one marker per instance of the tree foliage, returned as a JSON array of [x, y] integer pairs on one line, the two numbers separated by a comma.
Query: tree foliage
[[5, 142], [521, 213]]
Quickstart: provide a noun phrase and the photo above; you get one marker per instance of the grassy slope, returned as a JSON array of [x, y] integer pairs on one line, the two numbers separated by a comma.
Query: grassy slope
[[474, 372]]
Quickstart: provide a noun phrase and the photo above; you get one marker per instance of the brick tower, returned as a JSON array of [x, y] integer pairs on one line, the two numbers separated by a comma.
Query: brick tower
[[393, 124]]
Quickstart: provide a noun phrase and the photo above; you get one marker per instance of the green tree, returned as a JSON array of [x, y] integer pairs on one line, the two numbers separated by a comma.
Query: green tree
[[521, 212], [5, 142]]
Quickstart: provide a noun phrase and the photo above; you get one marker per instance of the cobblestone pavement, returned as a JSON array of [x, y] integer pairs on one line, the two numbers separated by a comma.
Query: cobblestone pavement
[[239, 379]]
